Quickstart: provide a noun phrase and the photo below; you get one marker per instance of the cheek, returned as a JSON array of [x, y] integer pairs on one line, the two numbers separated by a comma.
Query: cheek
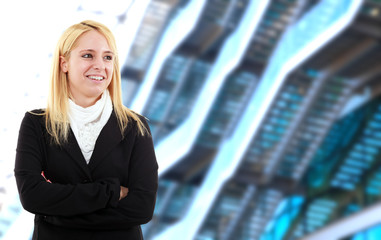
[[77, 70], [75, 77], [110, 68], [110, 71]]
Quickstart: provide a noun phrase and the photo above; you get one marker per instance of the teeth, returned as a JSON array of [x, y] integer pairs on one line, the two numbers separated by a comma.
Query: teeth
[[96, 78]]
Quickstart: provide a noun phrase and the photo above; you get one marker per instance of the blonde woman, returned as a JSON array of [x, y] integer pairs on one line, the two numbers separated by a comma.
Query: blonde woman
[[85, 165]]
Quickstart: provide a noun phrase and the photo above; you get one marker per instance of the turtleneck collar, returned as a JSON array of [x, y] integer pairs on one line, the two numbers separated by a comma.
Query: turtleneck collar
[[87, 123]]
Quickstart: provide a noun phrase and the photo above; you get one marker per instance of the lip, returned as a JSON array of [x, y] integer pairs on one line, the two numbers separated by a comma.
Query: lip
[[94, 77]]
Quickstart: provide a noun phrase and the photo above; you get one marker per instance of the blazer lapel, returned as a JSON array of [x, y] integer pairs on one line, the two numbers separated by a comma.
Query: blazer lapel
[[108, 138], [72, 148]]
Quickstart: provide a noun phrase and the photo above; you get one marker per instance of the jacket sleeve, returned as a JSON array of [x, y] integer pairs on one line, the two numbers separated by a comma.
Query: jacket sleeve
[[135, 209], [43, 198]]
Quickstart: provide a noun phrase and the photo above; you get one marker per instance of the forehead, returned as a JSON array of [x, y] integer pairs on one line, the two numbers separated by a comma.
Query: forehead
[[92, 40]]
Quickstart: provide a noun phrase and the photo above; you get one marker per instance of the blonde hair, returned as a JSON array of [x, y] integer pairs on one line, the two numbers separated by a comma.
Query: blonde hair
[[57, 120]]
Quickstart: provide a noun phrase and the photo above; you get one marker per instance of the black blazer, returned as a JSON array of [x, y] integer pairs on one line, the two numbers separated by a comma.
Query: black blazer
[[82, 200]]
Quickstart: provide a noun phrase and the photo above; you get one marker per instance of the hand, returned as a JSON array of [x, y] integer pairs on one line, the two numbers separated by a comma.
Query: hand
[[43, 175], [123, 192]]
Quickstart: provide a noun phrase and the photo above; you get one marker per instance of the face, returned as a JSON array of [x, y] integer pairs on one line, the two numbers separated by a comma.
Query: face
[[89, 68]]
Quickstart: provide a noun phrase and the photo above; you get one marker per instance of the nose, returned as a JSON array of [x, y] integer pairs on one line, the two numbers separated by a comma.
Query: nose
[[98, 63]]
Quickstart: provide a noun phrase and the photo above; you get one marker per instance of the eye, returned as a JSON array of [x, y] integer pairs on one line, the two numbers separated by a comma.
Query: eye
[[108, 58], [87, 55]]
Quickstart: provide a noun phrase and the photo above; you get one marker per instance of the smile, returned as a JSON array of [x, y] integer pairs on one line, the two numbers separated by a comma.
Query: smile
[[96, 78]]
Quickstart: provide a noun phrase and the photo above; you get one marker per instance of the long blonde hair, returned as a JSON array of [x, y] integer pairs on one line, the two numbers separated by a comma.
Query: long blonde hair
[[57, 120]]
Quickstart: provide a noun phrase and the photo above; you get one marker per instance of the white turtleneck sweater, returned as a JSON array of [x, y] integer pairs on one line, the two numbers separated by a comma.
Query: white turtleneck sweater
[[87, 123]]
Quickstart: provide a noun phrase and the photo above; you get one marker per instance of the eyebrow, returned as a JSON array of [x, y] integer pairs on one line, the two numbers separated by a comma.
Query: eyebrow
[[92, 50]]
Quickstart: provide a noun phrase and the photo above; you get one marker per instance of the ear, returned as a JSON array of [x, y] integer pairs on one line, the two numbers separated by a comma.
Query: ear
[[63, 64]]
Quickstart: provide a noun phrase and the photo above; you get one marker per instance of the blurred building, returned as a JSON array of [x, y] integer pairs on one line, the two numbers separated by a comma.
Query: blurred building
[[266, 118]]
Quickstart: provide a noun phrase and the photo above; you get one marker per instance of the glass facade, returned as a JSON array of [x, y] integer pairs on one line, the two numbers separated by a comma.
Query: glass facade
[[338, 182]]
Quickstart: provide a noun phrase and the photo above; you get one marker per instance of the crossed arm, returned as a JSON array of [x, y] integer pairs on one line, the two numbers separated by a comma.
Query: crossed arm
[[102, 204]]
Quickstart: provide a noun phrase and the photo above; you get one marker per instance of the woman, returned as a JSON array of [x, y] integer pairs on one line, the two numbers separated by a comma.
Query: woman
[[85, 165]]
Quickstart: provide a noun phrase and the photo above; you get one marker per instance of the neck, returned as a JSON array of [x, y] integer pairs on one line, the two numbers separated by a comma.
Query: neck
[[85, 101]]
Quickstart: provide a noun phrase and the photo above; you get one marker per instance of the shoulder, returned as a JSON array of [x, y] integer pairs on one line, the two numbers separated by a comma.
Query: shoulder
[[144, 120], [36, 116], [140, 122], [33, 124], [36, 112]]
